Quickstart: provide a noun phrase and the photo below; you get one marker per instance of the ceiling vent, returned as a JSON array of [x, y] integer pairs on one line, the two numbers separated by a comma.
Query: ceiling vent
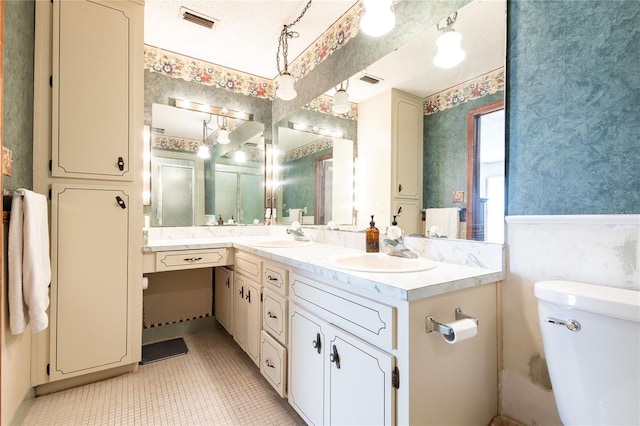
[[197, 18], [370, 79]]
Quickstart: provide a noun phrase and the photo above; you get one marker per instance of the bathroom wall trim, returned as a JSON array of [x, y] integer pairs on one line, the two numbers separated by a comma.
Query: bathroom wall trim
[[588, 219]]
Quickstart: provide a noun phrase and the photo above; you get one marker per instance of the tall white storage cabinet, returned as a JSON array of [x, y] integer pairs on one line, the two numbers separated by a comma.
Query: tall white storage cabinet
[[390, 130], [88, 155]]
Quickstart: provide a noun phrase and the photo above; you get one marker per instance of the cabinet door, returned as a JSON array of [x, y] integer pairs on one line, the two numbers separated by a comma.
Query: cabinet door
[[97, 55], [410, 217], [359, 382], [253, 321], [306, 365], [239, 310], [406, 167], [92, 287], [223, 296]]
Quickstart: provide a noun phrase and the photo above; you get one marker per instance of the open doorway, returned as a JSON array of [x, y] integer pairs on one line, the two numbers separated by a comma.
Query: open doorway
[[485, 173]]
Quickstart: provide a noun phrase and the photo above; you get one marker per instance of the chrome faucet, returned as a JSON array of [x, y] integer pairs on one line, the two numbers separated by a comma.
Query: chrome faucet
[[394, 245], [296, 231]]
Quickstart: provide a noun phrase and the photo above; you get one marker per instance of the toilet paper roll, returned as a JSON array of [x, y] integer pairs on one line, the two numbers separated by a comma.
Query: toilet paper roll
[[462, 330], [145, 283]]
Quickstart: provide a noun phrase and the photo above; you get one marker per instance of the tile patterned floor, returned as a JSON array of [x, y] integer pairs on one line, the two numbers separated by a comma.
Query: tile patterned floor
[[214, 384]]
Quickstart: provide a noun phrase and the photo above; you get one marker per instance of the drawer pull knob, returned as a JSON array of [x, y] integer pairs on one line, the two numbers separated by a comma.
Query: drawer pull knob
[[192, 259], [121, 202], [121, 163], [269, 364], [317, 344], [270, 278], [334, 357], [271, 315]]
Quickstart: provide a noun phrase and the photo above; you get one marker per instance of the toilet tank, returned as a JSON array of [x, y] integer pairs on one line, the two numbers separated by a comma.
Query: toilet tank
[[591, 337]]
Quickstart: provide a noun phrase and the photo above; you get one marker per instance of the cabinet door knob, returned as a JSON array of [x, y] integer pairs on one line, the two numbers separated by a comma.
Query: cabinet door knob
[[248, 295], [121, 163], [228, 283], [270, 315], [334, 357], [241, 292], [268, 363], [121, 202], [317, 344], [400, 188]]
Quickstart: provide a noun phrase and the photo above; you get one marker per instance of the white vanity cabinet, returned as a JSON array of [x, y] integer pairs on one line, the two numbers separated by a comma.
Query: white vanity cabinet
[[223, 297], [95, 57], [273, 365], [247, 305], [88, 69], [392, 126], [336, 378]]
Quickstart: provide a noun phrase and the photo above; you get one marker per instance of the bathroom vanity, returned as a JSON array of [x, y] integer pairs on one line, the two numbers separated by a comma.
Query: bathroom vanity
[[350, 346]]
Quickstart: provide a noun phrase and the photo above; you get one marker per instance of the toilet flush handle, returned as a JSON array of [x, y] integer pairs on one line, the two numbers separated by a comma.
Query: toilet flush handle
[[572, 325]]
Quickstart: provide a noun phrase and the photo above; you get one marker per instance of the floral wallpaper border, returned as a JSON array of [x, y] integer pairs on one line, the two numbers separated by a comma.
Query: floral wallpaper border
[[173, 143], [486, 84], [308, 149], [324, 104]]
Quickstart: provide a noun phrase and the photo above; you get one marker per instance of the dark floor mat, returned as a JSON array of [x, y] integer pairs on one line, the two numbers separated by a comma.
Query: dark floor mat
[[162, 350]]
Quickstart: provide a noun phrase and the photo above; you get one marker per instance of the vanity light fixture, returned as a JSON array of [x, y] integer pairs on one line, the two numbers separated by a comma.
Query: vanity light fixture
[[285, 89], [450, 53], [378, 18], [210, 109], [341, 100]]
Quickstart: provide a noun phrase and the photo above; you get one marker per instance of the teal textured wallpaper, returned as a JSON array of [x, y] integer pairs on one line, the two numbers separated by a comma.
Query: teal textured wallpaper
[[19, 37], [573, 107], [445, 152], [299, 180]]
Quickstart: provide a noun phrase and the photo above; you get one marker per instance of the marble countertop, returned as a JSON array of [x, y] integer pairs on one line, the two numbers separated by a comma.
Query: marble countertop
[[317, 260]]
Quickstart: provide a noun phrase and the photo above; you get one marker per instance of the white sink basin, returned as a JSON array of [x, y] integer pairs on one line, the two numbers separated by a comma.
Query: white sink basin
[[282, 243], [382, 262]]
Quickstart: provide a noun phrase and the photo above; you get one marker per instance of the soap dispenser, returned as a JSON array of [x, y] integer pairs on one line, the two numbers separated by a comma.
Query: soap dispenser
[[373, 238]]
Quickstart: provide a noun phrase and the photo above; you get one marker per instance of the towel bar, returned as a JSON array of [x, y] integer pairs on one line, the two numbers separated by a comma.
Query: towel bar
[[11, 192]]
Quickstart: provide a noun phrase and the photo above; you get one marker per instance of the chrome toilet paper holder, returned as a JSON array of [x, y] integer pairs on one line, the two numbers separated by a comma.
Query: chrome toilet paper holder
[[433, 325]]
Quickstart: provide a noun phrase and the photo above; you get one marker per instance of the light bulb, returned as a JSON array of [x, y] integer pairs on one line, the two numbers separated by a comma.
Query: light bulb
[[203, 151], [239, 157], [341, 102], [449, 53], [378, 19], [285, 87], [223, 137]]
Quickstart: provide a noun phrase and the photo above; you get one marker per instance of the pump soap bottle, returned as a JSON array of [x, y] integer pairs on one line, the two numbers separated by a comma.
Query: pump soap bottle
[[373, 238]]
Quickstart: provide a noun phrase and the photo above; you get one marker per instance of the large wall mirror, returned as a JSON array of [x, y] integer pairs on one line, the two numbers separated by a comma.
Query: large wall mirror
[[205, 166], [463, 157]]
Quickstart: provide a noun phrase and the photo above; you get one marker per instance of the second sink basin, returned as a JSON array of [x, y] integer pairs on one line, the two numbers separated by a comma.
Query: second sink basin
[[382, 262], [282, 243]]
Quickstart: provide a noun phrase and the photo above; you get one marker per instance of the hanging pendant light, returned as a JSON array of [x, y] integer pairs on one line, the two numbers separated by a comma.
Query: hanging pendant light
[[223, 131], [450, 53], [203, 149], [341, 100], [378, 18], [285, 89]]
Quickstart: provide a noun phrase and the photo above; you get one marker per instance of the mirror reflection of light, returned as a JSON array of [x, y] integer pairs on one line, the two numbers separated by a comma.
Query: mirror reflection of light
[[450, 53], [240, 157], [203, 152]]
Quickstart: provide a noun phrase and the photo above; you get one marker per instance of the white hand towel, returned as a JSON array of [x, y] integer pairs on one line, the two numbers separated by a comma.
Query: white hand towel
[[29, 263], [17, 320], [446, 218]]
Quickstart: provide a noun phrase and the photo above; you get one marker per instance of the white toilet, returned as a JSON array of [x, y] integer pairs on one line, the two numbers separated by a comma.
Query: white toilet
[[591, 337]]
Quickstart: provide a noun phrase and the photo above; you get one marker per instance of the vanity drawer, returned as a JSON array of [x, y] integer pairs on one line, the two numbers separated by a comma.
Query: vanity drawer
[[274, 315], [190, 259], [275, 277], [372, 321], [273, 363], [248, 265]]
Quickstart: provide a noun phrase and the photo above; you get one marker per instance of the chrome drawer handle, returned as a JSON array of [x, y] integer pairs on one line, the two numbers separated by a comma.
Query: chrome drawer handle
[[192, 259], [572, 325]]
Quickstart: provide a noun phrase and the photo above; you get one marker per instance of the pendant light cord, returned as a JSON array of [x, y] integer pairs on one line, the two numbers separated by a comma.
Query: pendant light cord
[[286, 34]]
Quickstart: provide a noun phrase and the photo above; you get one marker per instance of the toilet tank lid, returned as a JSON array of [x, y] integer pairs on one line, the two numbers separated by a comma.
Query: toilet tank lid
[[614, 302]]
